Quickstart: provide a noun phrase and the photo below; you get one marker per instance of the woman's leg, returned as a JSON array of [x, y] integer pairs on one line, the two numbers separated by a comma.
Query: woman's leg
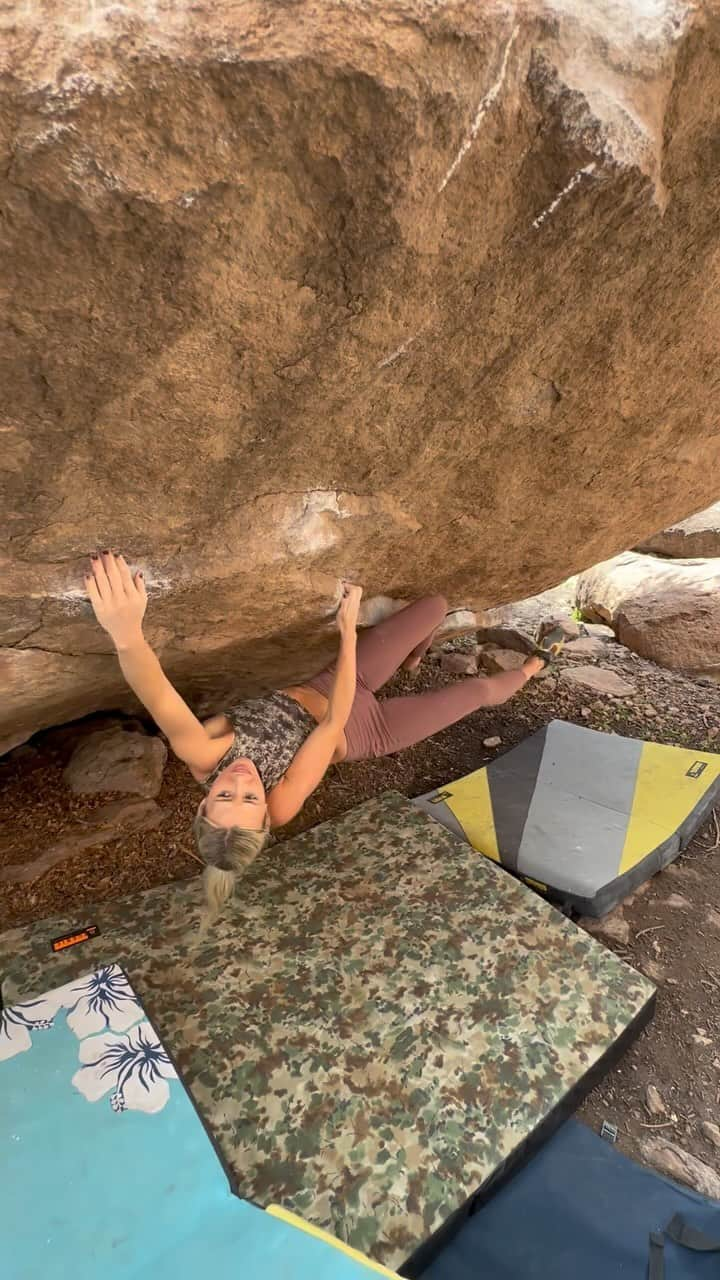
[[410, 720], [382, 649]]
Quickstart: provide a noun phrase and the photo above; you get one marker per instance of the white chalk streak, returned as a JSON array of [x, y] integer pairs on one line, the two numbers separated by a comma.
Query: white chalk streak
[[483, 108], [398, 352], [569, 186]]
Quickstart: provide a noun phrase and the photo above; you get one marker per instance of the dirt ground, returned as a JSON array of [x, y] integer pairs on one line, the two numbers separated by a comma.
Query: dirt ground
[[670, 929]]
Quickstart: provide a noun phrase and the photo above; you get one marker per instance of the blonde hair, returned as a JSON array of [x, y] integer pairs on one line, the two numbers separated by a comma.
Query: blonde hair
[[227, 852]]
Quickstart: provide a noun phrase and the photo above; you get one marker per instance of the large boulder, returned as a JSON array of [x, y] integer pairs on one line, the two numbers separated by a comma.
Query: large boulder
[[291, 292], [665, 610], [694, 538]]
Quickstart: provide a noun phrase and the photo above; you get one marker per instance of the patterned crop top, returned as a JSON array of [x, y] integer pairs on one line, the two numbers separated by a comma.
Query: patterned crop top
[[269, 731]]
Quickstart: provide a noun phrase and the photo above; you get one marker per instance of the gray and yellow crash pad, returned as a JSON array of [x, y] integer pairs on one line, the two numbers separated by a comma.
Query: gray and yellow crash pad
[[585, 816], [378, 1023], [107, 1168]]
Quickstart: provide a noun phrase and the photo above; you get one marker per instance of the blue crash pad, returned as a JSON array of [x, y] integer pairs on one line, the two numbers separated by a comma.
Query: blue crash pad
[[578, 1209]]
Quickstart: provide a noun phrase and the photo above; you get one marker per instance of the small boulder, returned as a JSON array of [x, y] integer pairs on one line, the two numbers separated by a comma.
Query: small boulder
[[585, 647], [491, 743], [598, 680], [668, 1158], [570, 629], [493, 660], [117, 760], [677, 901], [458, 663]]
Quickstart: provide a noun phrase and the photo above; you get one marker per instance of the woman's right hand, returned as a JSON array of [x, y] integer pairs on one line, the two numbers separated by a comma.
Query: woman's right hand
[[119, 600], [347, 615]]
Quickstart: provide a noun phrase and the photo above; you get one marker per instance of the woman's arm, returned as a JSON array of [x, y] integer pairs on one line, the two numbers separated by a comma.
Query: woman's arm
[[310, 763], [119, 601]]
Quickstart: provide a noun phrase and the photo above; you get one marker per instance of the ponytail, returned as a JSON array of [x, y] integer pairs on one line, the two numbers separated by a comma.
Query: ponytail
[[227, 852]]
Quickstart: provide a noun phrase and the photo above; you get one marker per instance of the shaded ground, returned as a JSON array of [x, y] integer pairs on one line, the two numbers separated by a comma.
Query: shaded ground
[[671, 930]]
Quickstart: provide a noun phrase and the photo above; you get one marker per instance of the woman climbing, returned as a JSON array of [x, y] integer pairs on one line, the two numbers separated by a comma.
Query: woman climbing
[[260, 760]]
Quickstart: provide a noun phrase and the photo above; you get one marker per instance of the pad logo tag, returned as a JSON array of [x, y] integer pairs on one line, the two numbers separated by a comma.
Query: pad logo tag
[[72, 939], [439, 797], [696, 769]]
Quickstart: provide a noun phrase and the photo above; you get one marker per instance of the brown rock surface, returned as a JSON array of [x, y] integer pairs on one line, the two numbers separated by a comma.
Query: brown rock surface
[[698, 537], [665, 610], [293, 292]]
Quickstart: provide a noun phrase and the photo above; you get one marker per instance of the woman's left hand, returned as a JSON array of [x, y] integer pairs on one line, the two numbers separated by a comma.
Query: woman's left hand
[[119, 600]]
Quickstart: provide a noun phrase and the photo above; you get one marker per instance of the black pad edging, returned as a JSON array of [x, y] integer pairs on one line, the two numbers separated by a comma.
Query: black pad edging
[[426, 1253]]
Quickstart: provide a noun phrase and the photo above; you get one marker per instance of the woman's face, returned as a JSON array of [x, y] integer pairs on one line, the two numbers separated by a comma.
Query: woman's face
[[237, 798]]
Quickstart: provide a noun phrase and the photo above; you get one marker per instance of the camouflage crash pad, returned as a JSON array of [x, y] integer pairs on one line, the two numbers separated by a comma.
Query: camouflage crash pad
[[374, 1027]]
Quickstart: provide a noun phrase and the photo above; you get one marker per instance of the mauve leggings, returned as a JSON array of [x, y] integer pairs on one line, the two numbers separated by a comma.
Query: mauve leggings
[[379, 728]]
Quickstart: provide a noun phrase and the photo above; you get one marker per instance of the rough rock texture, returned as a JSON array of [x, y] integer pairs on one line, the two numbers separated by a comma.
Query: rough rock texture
[[291, 292], [115, 760], [665, 610], [696, 537]]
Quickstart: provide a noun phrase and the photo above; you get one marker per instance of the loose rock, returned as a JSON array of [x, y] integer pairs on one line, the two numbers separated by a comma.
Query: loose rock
[[493, 660], [613, 926], [654, 1102], [116, 760], [654, 971], [711, 1132], [598, 680], [490, 743], [599, 630], [570, 629], [585, 647], [677, 901], [668, 1158], [459, 664]]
